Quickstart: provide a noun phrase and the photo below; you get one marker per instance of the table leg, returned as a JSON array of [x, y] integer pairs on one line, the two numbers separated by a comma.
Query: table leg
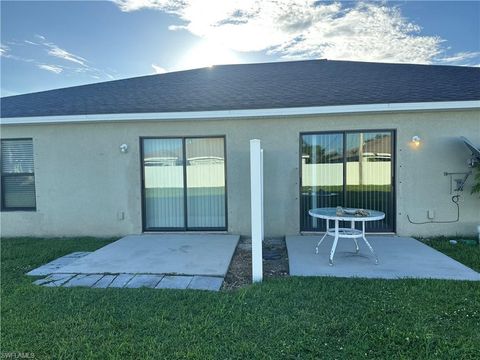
[[352, 225], [368, 244], [335, 241], [321, 240]]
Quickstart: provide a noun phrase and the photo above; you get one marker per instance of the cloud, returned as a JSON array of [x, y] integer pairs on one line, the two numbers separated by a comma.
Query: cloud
[[52, 68], [42, 54], [65, 55], [459, 57], [3, 50], [56, 51], [132, 5], [158, 69], [303, 29]]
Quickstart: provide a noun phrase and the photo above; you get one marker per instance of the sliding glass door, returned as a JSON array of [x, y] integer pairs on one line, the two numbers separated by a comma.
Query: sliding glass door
[[205, 183], [184, 184], [163, 184], [349, 169]]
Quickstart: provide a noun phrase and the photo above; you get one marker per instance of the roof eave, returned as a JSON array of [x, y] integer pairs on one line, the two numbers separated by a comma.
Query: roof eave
[[246, 114]]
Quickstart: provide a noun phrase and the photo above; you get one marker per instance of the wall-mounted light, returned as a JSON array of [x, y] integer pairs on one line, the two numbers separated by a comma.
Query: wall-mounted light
[[123, 148], [416, 140]]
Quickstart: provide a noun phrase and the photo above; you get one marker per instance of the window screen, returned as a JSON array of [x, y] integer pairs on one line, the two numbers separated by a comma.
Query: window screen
[[17, 175]]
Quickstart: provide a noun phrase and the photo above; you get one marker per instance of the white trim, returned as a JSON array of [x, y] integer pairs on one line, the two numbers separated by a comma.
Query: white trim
[[250, 113]]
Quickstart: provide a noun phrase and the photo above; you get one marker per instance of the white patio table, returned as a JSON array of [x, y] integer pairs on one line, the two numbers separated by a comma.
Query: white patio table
[[350, 233]]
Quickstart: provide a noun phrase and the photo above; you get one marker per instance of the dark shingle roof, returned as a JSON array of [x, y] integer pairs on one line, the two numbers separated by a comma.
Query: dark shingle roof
[[256, 86]]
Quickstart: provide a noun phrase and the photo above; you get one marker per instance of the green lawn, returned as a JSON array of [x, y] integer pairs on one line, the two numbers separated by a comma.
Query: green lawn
[[293, 318], [465, 253]]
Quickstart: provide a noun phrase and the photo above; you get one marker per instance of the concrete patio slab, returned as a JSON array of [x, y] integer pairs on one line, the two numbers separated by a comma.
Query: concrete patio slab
[[56, 264], [174, 282], [183, 254], [54, 280], [149, 281], [399, 257], [83, 280], [206, 283], [121, 280], [104, 282]]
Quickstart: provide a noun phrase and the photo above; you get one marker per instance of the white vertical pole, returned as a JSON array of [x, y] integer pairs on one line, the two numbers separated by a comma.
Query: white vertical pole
[[261, 187], [256, 208]]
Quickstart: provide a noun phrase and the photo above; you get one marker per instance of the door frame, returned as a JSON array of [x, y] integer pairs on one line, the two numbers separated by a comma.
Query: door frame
[[344, 134], [185, 228]]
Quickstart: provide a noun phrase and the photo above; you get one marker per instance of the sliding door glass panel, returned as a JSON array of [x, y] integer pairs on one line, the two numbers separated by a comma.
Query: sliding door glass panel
[[163, 187], [205, 182], [348, 169], [322, 176], [369, 175]]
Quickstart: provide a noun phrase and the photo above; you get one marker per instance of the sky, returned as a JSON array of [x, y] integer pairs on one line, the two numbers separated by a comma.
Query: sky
[[53, 44]]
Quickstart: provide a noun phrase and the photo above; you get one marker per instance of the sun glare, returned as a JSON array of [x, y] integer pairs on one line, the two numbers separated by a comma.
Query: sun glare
[[207, 54]]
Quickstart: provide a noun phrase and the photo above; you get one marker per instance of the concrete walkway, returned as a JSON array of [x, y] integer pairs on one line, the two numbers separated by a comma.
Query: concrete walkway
[[180, 254], [399, 257], [132, 281]]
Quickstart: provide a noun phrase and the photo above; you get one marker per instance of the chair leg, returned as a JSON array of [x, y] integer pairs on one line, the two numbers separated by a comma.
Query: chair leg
[[334, 246]]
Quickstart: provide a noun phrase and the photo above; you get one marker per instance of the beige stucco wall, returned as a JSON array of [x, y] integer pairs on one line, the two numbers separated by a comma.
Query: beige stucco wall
[[83, 181]]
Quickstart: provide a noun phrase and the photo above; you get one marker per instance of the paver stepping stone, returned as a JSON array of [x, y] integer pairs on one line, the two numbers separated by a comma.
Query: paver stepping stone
[[206, 283], [56, 264], [139, 281], [54, 280], [40, 281], [85, 280], [121, 280], [104, 282], [174, 282]]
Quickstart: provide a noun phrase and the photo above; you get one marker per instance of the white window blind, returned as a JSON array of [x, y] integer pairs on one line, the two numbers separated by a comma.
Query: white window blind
[[18, 178]]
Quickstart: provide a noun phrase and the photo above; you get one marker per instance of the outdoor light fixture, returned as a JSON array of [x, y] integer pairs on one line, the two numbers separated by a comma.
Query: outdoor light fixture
[[416, 140], [123, 148]]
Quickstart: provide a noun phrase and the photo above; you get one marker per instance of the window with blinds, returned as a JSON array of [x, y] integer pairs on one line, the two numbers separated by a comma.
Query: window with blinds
[[184, 184], [17, 175], [353, 169]]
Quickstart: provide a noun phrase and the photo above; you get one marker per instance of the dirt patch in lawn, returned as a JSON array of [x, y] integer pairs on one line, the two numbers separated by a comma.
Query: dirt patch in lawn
[[275, 262]]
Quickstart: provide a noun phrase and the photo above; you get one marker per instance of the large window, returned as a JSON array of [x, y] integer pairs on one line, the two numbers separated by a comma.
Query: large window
[[350, 169], [17, 175], [184, 183]]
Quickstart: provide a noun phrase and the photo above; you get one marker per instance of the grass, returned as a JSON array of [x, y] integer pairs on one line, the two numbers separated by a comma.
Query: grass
[[292, 318], [464, 253]]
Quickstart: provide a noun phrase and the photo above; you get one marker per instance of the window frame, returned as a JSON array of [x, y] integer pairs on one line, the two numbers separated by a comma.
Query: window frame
[[4, 208], [344, 133], [185, 228]]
